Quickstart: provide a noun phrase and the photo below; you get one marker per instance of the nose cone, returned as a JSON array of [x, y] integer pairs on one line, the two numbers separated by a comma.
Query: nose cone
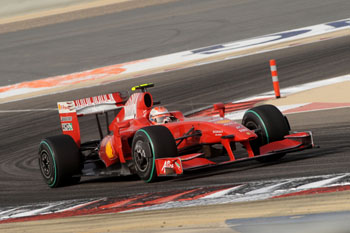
[[240, 132], [245, 135]]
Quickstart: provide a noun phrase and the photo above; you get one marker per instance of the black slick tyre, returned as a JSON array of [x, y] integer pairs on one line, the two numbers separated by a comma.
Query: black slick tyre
[[148, 144], [59, 161], [270, 126]]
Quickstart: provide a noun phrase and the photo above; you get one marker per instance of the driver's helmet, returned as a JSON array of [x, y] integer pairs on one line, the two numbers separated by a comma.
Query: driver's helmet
[[159, 115]]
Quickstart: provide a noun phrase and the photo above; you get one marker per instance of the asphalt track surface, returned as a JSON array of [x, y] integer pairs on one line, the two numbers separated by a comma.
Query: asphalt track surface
[[21, 133], [151, 31], [20, 179]]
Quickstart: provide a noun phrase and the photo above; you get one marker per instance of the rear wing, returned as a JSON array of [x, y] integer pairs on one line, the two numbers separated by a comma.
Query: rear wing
[[69, 111]]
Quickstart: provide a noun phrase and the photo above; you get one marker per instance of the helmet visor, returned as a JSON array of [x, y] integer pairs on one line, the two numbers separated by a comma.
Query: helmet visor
[[162, 119]]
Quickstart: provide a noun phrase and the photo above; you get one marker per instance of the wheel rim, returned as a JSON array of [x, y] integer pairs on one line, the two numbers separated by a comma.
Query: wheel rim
[[141, 160], [257, 128], [45, 164], [253, 126]]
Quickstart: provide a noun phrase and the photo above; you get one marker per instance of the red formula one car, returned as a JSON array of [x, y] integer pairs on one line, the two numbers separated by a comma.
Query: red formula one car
[[134, 144]]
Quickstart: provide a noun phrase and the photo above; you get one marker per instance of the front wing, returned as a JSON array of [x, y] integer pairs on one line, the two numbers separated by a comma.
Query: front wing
[[177, 165]]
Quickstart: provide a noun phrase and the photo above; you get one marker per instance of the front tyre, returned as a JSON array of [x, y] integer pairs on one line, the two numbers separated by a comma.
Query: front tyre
[[148, 144], [270, 125], [59, 161]]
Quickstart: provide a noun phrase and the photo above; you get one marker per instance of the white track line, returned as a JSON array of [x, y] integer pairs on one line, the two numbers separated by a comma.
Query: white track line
[[222, 193], [268, 189], [321, 183], [299, 88], [27, 213]]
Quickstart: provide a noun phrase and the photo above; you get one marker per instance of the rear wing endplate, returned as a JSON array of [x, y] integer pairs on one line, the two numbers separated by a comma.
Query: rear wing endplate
[[69, 111]]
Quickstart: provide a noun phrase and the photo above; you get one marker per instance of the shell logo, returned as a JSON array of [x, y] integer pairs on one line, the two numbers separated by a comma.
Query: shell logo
[[62, 107], [66, 107], [109, 150], [223, 121]]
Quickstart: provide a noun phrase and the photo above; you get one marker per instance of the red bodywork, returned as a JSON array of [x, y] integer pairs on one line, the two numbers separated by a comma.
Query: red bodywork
[[134, 115]]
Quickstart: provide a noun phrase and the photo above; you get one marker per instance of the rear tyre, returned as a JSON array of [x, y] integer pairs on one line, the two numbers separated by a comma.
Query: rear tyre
[[59, 161], [270, 125], [148, 144]]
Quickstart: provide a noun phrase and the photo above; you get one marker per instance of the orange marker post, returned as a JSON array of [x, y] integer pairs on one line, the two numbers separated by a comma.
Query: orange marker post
[[276, 85]]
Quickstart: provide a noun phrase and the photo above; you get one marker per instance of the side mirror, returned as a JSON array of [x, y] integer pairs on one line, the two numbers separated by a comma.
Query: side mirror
[[124, 124], [119, 125], [221, 108]]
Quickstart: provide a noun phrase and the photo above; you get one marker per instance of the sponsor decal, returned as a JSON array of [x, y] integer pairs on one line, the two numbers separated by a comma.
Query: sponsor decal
[[177, 165], [67, 127], [339, 24], [101, 99], [248, 43], [297, 33], [217, 132], [167, 164], [223, 121], [243, 130], [130, 107], [68, 118], [66, 107]]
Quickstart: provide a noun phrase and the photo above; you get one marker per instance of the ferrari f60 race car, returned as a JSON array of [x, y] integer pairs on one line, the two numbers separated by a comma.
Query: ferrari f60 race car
[[135, 145]]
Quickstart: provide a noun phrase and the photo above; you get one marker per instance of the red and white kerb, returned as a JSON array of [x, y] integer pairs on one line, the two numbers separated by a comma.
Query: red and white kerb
[[276, 85]]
